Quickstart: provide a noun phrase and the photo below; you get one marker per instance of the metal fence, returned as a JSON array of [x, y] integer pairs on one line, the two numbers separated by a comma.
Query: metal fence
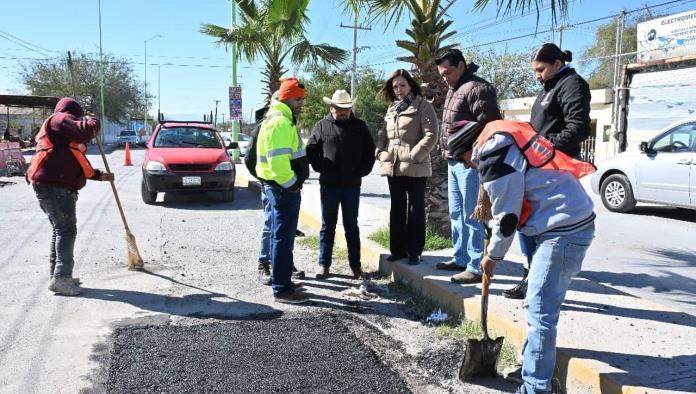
[[587, 149]]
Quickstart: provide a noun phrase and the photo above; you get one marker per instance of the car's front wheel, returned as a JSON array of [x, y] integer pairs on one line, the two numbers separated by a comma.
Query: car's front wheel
[[617, 194], [148, 196]]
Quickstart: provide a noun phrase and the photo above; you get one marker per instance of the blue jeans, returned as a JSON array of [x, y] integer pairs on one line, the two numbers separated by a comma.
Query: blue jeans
[[285, 211], [556, 261], [527, 247], [265, 248], [349, 200], [59, 205], [467, 233]]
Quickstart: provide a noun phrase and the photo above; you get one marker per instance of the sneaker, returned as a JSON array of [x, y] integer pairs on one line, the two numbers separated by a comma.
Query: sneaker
[[291, 297], [466, 277], [322, 272], [265, 273], [64, 286], [414, 260], [449, 266], [296, 274], [518, 292], [514, 374], [393, 257]]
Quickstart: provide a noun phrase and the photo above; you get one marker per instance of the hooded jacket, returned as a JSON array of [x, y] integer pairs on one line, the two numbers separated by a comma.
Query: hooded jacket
[[558, 204], [66, 125], [342, 152], [561, 112], [471, 98]]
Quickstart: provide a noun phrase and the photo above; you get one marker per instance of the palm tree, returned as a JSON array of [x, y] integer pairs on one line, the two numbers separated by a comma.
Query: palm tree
[[275, 31], [428, 32]]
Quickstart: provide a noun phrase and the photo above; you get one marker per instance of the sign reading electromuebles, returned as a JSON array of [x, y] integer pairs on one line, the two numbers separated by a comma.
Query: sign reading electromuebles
[[671, 36]]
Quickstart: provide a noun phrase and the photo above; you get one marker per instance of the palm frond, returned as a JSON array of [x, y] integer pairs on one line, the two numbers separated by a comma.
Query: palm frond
[[507, 7], [247, 9], [305, 52]]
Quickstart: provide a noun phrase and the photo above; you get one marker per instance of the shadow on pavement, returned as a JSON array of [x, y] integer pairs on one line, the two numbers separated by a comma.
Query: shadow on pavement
[[668, 373], [686, 215], [211, 201]]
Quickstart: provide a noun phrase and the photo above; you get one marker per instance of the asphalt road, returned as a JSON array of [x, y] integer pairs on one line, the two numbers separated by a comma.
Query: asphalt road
[[649, 252], [200, 300]]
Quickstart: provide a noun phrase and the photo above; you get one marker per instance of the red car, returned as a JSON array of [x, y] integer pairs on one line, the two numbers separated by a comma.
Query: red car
[[187, 156]]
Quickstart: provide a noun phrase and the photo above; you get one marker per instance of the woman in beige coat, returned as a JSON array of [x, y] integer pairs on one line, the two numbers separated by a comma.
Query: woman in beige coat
[[403, 151]]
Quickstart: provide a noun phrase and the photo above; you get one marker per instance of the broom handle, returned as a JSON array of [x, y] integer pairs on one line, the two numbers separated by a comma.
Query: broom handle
[[113, 186], [484, 296]]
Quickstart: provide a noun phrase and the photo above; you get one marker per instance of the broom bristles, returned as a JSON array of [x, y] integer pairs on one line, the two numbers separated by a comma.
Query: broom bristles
[[135, 262], [483, 211]]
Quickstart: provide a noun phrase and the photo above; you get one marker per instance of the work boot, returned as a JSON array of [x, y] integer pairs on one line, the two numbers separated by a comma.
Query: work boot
[[466, 277], [358, 273], [296, 274], [322, 272], [394, 257], [414, 260], [291, 297], [265, 273], [64, 286], [449, 266], [520, 290], [297, 285]]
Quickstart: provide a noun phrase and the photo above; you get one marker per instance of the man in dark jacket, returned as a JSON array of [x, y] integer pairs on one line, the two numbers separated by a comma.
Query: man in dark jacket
[[57, 171], [342, 151], [474, 99]]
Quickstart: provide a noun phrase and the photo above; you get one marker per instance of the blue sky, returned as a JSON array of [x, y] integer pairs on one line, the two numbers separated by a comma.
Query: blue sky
[[200, 73]]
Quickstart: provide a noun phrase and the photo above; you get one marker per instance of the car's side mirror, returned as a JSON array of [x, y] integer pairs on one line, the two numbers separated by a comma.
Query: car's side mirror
[[644, 147], [233, 145]]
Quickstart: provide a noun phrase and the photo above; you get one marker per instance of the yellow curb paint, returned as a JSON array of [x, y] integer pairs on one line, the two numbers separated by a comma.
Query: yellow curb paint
[[575, 370]]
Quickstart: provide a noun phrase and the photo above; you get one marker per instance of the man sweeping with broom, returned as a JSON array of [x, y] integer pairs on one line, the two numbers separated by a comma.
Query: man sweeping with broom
[[57, 171]]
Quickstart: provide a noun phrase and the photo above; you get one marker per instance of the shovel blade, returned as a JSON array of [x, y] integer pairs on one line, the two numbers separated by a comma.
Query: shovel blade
[[480, 358]]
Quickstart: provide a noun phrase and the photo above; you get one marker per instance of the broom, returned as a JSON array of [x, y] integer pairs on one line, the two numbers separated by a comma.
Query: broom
[[135, 262]]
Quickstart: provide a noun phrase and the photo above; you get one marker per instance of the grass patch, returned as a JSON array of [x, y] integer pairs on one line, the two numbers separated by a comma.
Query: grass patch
[[433, 241], [312, 242], [309, 242], [466, 329]]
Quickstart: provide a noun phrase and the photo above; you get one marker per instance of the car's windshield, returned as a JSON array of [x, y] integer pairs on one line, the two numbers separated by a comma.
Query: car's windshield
[[187, 137], [127, 133]]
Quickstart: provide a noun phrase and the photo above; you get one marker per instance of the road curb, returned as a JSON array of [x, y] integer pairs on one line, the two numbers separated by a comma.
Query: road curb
[[572, 371]]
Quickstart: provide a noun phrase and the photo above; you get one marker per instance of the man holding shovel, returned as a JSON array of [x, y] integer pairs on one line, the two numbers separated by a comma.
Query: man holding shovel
[[528, 185], [57, 171]]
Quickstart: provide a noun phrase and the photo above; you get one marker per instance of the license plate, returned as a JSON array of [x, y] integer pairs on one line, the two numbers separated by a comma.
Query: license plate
[[191, 180]]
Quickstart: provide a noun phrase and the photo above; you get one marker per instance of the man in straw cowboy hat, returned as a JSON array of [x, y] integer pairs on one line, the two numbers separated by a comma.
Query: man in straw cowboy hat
[[341, 150]]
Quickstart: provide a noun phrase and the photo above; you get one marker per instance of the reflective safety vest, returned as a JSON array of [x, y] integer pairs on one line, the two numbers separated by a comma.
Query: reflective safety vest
[[278, 143], [537, 150], [44, 147]]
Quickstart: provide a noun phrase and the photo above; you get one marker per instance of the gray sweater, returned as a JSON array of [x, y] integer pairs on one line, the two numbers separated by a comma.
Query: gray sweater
[[559, 203]]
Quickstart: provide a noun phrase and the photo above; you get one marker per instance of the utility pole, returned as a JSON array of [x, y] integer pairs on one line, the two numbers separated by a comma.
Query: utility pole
[[216, 105], [101, 81], [236, 126], [147, 102], [354, 67], [617, 66], [159, 96]]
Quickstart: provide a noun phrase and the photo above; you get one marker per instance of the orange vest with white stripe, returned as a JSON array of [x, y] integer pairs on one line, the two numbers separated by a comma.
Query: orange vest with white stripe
[[537, 150], [44, 147]]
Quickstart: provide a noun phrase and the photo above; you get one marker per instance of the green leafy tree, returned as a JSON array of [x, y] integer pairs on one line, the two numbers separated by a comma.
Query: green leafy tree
[[321, 82], [509, 72], [274, 31], [603, 49], [123, 94]]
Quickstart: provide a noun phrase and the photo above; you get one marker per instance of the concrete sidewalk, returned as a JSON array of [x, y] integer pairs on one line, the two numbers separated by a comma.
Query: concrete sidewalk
[[608, 341]]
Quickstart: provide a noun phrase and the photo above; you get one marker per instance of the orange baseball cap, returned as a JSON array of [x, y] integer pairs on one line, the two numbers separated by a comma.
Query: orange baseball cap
[[289, 88]]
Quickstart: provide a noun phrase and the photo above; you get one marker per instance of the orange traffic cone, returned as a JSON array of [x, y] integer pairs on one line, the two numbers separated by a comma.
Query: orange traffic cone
[[127, 158]]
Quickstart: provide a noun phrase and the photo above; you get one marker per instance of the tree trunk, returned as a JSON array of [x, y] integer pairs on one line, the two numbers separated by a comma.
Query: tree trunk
[[436, 201]]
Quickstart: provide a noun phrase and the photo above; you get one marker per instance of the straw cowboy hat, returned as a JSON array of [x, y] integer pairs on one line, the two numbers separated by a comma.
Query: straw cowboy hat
[[340, 99]]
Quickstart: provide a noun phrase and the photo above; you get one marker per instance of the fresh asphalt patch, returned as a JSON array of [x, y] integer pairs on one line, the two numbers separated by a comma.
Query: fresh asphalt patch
[[316, 353]]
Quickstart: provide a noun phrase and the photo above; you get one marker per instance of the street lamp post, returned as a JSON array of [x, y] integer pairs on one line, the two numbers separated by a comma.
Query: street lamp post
[[147, 106]]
